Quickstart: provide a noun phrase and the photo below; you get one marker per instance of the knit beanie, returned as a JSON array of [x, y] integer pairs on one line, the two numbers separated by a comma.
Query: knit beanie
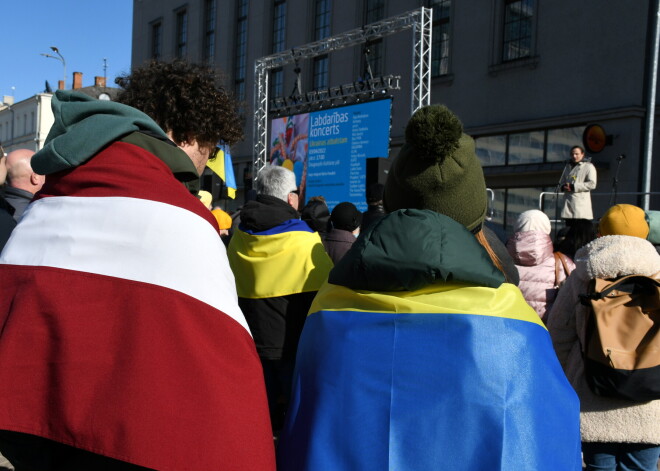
[[224, 219], [205, 197], [533, 220], [438, 169], [375, 193], [345, 216], [624, 219]]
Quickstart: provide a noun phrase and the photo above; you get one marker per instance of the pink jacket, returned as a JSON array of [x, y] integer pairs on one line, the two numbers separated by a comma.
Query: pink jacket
[[533, 256]]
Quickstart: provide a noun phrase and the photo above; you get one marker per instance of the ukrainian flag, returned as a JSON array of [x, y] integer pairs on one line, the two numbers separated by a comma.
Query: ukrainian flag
[[449, 377], [222, 166]]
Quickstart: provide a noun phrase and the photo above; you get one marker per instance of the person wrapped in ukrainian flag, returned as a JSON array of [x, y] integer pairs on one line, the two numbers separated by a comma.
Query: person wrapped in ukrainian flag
[[417, 355]]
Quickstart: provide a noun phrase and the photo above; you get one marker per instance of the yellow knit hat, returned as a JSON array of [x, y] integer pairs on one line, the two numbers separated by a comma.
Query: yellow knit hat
[[224, 219], [624, 219]]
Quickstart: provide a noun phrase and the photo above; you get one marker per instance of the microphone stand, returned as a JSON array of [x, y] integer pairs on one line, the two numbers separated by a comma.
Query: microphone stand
[[615, 180], [561, 179]]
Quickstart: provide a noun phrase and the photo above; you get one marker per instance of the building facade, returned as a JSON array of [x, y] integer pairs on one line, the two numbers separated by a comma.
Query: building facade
[[25, 124], [527, 78]]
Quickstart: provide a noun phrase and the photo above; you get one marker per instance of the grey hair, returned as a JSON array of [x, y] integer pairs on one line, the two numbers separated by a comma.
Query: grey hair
[[276, 181]]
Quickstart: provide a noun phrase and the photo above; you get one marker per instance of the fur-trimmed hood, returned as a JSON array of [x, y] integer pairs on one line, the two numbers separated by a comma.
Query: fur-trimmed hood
[[618, 255]]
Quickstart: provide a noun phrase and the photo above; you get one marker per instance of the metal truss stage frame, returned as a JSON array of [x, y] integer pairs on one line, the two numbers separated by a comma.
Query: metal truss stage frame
[[420, 21]]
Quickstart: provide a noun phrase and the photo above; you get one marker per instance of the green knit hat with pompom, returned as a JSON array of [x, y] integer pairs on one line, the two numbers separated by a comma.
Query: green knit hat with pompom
[[438, 169]]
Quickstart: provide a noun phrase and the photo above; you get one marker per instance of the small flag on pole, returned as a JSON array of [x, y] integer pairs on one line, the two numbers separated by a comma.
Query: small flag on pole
[[222, 167]]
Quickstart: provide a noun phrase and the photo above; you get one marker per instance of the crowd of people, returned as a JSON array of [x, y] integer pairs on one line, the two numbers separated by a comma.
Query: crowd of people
[[144, 329]]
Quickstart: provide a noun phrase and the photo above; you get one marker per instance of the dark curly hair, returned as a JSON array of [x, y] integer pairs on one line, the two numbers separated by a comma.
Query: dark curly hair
[[185, 99]]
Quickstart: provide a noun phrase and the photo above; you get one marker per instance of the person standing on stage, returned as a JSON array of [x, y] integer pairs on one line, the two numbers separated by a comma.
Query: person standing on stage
[[577, 184]]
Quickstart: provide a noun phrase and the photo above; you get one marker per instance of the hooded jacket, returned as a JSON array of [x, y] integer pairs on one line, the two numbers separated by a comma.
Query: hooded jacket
[[416, 355], [280, 264], [118, 338], [603, 419], [534, 258]]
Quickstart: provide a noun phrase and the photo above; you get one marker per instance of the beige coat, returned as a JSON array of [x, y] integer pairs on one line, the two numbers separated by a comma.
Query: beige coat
[[602, 419], [577, 203]]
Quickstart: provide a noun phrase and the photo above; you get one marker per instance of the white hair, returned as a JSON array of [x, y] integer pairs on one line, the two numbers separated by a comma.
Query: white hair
[[276, 181]]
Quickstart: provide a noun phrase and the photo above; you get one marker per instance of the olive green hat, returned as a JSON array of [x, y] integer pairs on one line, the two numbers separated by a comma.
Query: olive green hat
[[438, 169]]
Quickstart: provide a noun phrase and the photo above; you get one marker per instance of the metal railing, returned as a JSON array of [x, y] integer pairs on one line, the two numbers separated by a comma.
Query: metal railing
[[629, 197]]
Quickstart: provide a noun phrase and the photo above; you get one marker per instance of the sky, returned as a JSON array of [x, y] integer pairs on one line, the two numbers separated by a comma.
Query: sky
[[84, 31]]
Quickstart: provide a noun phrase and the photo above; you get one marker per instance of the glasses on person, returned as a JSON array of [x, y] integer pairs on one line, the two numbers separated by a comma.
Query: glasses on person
[[296, 192]]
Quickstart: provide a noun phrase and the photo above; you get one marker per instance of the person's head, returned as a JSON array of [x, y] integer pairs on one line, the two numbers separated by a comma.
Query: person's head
[[187, 102], [19, 171], [346, 217], [205, 198], [316, 214], [278, 182], [375, 194], [223, 219], [579, 234], [533, 220], [438, 169], [577, 153], [624, 219]]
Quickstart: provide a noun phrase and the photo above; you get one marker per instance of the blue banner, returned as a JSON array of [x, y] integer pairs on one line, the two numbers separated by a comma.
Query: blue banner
[[328, 149]]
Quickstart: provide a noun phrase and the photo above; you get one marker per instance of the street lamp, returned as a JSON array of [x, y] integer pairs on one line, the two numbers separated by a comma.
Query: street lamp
[[60, 58]]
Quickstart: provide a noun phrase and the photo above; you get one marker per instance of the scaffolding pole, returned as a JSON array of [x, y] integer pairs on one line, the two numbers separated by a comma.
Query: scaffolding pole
[[419, 20]]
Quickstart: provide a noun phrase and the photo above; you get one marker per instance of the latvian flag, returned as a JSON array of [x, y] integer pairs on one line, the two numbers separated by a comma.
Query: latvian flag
[[121, 332]]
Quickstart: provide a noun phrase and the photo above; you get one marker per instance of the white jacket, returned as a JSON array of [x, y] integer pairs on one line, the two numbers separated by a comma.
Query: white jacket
[[602, 419], [577, 203]]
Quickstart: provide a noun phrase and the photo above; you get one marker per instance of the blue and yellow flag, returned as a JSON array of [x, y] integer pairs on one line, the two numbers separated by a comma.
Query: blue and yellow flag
[[222, 166], [450, 377]]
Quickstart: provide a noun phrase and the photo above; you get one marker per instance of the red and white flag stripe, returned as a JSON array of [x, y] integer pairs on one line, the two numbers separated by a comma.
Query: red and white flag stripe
[[130, 238]]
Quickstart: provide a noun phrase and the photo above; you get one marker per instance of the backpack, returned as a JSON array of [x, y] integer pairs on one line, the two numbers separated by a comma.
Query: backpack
[[622, 342]]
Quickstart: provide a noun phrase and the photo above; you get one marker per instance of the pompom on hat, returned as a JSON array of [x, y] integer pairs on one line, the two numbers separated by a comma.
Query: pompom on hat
[[624, 219], [438, 169]]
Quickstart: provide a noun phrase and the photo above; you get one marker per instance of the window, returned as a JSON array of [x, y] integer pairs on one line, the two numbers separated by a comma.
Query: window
[[320, 70], [441, 33], [320, 75], [279, 25], [209, 31], [532, 147], [156, 40], [374, 51], [276, 82], [560, 142], [25, 124], [33, 124], [518, 24], [181, 33], [322, 20], [241, 48], [374, 10]]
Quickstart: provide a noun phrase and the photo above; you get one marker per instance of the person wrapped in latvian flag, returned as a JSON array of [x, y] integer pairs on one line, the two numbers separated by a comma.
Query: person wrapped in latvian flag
[[417, 355], [122, 336]]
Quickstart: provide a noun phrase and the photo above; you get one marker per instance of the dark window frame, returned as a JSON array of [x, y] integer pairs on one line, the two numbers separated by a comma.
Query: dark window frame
[[517, 29], [181, 33], [156, 39], [240, 51], [210, 17], [441, 62]]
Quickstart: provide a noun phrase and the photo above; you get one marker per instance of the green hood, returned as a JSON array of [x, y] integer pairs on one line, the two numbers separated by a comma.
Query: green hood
[[409, 249], [83, 126]]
